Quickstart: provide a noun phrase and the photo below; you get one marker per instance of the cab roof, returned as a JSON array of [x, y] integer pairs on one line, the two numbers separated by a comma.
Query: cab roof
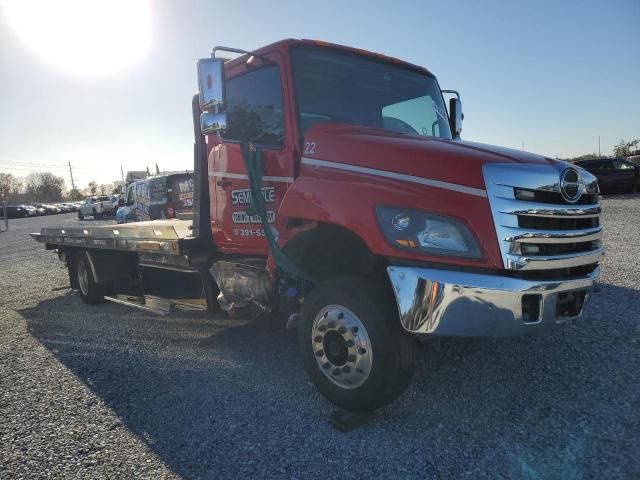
[[284, 45]]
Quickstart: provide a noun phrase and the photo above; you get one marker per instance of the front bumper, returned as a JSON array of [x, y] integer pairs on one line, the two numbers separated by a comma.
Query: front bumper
[[458, 304]]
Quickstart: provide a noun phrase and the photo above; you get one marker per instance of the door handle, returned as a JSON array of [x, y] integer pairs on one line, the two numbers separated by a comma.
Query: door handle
[[224, 183]]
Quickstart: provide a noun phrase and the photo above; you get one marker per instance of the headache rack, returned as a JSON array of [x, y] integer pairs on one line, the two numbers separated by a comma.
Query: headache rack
[[538, 229]]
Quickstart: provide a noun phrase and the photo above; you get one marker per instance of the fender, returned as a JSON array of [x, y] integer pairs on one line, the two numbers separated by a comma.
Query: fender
[[349, 200]]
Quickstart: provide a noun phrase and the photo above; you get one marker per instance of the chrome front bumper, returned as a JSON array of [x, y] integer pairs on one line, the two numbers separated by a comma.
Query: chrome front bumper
[[457, 304]]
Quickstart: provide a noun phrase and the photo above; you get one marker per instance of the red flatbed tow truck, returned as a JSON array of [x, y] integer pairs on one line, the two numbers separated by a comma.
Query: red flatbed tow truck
[[332, 189]]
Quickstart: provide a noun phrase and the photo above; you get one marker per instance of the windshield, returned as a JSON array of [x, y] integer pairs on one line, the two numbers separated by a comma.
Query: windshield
[[335, 87]]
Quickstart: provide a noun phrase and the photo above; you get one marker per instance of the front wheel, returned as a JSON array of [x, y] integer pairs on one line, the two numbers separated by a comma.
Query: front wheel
[[352, 344]]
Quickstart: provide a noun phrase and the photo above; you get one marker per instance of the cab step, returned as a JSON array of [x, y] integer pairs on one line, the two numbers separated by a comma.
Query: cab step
[[158, 305]]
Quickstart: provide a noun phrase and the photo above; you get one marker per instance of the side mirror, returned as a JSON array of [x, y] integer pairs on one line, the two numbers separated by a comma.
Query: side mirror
[[455, 116], [211, 95], [213, 122], [211, 91]]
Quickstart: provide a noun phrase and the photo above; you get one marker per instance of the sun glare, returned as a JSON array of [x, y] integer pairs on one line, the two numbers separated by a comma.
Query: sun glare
[[87, 37]]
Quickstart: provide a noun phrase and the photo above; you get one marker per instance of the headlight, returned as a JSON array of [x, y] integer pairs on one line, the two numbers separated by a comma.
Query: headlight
[[426, 232]]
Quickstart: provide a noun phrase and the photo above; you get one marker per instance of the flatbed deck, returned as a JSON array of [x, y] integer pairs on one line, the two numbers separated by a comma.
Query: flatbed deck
[[162, 236]]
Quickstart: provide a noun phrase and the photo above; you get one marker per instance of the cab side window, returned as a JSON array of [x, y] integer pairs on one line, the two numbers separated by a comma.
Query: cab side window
[[254, 104], [130, 196], [600, 165], [620, 165]]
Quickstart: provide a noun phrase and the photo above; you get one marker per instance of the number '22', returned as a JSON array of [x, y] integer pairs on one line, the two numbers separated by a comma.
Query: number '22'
[[310, 147]]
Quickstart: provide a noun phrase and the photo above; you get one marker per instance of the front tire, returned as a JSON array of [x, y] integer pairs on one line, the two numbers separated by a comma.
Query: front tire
[[352, 344], [91, 292]]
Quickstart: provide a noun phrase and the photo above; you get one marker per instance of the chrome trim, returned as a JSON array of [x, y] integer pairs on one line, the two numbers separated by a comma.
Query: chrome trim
[[501, 179], [244, 176], [523, 235], [220, 48], [395, 176], [537, 176], [458, 304], [513, 206], [561, 212], [548, 262], [578, 184], [338, 328]]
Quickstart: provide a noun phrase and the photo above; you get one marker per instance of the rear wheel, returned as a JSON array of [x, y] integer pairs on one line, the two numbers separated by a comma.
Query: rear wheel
[[91, 292], [352, 344]]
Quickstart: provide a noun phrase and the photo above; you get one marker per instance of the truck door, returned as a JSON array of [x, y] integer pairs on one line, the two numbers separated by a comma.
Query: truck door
[[256, 103]]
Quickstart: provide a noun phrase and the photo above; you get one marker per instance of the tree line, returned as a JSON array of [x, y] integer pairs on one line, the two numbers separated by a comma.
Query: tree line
[[622, 149], [45, 187]]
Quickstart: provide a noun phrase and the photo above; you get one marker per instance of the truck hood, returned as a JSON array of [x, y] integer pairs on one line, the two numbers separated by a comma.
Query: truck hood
[[453, 161]]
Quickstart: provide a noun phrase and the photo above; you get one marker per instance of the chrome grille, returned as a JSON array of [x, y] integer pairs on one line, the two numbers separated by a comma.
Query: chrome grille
[[537, 228]]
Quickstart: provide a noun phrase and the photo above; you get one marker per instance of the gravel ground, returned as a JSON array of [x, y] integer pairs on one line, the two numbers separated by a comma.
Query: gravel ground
[[110, 392]]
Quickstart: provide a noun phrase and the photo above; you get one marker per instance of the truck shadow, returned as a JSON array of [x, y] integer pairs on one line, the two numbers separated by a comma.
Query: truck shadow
[[190, 387]]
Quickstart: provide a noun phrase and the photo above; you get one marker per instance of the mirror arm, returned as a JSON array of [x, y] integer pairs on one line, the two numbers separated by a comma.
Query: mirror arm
[[219, 48], [452, 92]]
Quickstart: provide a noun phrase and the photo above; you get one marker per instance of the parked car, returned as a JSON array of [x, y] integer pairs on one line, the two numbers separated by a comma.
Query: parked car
[[68, 207], [97, 207], [48, 209], [615, 175], [63, 207], [14, 211], [31, 210], [166, 196], [38, 209]]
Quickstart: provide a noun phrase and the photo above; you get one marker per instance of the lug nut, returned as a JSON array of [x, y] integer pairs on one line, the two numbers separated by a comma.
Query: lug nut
[[340, 316], [362, 351], [354, 329], [318, 339]]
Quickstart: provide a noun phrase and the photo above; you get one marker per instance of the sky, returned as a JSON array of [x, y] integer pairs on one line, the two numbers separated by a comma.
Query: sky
[[552, 75]]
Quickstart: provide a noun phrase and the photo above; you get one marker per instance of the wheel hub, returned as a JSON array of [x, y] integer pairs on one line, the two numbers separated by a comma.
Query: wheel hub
[[342, 347], [335, 348]]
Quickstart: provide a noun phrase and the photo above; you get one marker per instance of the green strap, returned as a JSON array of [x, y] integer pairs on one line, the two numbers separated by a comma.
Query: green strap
[[253, 165]]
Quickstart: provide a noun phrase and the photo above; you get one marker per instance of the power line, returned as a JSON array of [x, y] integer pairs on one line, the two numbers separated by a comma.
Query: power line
[[32, 164], [41, 167]]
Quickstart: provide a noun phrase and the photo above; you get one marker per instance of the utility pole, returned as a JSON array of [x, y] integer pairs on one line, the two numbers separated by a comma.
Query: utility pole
[[122, 175], [523, 146], [73, 185], [599, 146]]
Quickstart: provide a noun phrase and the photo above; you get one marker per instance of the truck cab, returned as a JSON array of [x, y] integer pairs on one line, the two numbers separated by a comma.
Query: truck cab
[[366, 183]]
